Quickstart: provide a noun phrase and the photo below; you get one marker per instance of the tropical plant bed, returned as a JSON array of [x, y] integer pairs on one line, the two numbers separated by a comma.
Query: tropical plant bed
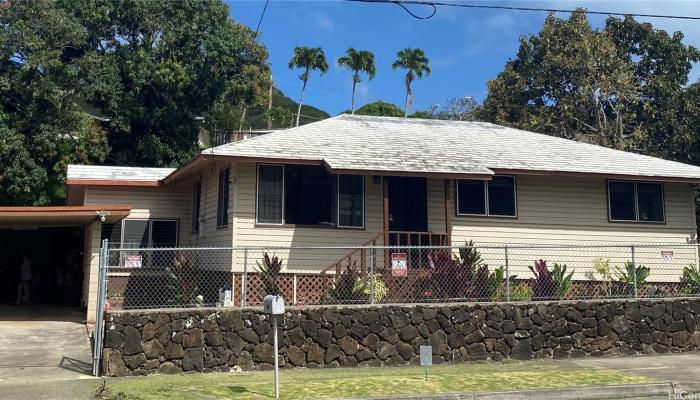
[[310, 384]]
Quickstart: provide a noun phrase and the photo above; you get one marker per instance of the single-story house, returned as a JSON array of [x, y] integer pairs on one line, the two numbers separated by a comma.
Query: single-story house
[[359, 180]]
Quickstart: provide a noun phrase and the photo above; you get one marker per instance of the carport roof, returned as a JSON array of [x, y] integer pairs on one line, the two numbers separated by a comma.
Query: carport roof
[[11, 217]]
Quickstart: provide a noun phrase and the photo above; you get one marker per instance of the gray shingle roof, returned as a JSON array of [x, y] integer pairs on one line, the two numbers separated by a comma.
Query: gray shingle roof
[[386, 144], [101, 172]]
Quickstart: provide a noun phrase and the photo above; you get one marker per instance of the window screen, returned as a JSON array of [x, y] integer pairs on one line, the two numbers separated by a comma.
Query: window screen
[[650, 200], [350, 195], [270, 192], [136, 233], [502, 196], [621, 196], [223, 200], [309, 194], [163, 233], [471, 198]]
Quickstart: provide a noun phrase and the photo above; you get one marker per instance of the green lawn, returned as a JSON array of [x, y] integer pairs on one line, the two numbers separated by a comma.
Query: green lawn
[[300, 384]]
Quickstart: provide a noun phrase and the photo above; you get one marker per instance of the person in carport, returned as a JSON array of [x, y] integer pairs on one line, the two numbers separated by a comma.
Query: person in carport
[[25, 280]]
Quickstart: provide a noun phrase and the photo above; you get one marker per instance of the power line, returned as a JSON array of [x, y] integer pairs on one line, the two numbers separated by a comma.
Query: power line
[[262, 15], [435, 4]]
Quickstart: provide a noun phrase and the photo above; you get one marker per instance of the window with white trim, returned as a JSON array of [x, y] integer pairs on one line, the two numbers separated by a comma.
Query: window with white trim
[[496, 197], [630, 201], [308, 195]]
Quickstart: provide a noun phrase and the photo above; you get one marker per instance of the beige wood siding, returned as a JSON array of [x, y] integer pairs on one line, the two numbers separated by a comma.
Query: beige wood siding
[[171, 202], [564, 211], [210, 235], [436, 205], [248, 234]]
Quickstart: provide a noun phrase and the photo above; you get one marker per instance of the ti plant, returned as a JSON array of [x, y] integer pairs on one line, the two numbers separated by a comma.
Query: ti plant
[[602, 268], [497, 284], [543, 282], [631, 276], [691, 279], [345, 289], [562, 281], [182, 282], [370, 285], [269, 271]]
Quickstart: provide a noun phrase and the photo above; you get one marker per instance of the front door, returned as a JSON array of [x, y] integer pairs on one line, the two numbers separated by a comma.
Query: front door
[[408, 204]]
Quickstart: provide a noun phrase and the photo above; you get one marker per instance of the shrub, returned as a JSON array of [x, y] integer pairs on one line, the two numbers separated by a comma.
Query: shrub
[[626, 276], [497, 284], [543, 282], [465, 276], [691, 279], [363, 287], [182, 282], [562, 281], [269, 271], [343, 290], [602, 268], [522, 292]]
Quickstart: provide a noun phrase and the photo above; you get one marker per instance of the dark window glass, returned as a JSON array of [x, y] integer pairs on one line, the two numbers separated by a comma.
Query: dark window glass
[[222, 207], [650, 201], [621, 196], [270, 194], [502, 196], [113, 233], [471, 198], [309, 195], [350, 188], [164, 233], [136, 233], [196, 200]]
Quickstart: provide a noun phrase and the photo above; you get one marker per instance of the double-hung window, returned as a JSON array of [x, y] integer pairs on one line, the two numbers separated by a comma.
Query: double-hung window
[[496, 197], [141, 234], [630, 201], [223, 199], [308, 196]]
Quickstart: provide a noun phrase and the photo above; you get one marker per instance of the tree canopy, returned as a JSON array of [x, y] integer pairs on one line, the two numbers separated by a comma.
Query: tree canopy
[[621, 86], [416, 64], [116, 81]]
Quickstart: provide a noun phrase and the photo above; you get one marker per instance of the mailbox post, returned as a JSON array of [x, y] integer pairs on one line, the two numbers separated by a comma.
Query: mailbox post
[[273, 305]]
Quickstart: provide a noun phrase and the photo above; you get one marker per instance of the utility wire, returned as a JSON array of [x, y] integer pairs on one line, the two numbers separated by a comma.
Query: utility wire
[[262, 15], [435, 4]]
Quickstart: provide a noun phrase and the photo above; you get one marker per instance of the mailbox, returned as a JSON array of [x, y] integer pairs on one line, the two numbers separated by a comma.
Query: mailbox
[[273, 305]]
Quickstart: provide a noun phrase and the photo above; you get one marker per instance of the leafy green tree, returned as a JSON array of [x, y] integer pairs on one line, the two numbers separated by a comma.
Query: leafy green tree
[[308, 59], [416, 65], [379, 109], [281, 117], [149, 67], [43, 81], [621, 86], [358, 61]]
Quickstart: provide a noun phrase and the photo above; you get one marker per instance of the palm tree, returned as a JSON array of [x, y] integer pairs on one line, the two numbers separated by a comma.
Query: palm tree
[[358, 61], [307, 58], [417, 64]]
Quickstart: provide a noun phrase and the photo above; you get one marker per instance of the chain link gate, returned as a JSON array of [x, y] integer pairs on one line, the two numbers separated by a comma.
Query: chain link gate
[[98, 333]]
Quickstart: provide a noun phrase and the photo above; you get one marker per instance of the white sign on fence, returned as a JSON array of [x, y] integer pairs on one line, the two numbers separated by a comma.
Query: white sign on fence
[[133, 261], [398, 264]]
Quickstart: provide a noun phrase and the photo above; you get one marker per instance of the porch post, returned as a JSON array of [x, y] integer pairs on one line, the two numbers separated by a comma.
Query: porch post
[[385, 182], [448, 212]]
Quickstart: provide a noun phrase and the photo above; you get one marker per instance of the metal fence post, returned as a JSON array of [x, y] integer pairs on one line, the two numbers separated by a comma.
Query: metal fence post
[[99, 312], [505, 251], [372, 278], [244, 280], [634, 273]]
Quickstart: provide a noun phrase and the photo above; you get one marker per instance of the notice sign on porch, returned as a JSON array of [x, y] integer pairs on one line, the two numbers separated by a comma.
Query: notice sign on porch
[[398, 264], [133, 261]]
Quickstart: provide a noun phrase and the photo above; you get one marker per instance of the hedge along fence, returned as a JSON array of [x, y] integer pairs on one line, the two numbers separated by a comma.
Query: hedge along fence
[[207, 340]]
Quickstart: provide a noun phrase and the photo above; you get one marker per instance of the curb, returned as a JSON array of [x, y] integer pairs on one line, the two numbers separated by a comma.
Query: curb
[[667, 389]]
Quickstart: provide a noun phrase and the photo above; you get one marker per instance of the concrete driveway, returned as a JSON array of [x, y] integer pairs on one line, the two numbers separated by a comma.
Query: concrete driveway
[[40, 346]]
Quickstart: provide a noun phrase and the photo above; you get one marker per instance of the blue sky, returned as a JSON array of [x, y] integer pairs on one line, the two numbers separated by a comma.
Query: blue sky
[[466, 47]]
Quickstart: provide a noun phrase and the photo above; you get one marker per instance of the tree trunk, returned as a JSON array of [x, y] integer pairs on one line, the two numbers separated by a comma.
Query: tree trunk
[[405, 107], [301, 100], [354, 83]]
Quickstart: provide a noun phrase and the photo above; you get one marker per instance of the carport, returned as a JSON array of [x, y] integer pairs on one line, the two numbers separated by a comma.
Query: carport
[[62, 243]]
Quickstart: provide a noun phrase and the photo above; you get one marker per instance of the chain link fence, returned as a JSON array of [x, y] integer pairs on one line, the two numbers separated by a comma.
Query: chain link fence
[[225, 277]]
